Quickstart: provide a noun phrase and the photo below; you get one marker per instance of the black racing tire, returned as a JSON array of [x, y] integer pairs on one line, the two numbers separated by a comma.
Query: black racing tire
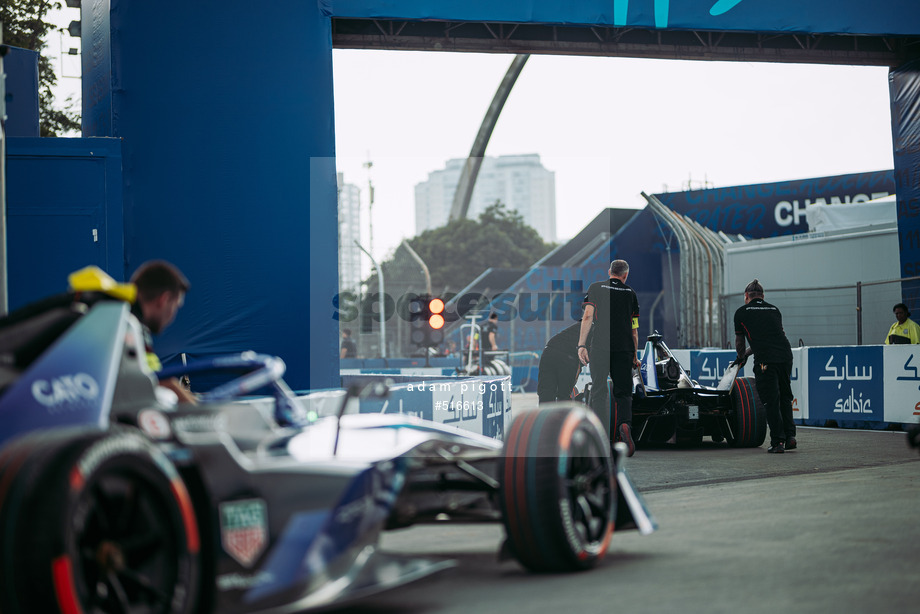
[[558, 489], [95, 521], [748, 421]]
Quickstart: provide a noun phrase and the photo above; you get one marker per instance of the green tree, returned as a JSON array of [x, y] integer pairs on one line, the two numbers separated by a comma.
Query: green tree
[[24, 25], [459, 252]]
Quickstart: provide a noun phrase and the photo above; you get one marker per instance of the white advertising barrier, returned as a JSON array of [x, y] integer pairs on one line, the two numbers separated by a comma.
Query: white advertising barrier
[[902, 383]]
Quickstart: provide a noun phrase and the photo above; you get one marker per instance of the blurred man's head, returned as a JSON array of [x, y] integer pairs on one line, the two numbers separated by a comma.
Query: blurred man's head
[[161, 289]]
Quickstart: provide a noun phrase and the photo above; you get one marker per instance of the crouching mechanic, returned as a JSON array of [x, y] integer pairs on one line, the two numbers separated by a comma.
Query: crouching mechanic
[[161, 289], [559, 366]]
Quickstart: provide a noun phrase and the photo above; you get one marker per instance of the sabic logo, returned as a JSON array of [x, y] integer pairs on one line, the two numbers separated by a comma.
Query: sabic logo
[[853, 404]]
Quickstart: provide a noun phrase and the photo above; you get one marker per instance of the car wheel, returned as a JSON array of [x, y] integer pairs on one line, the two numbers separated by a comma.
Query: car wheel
[[558, 494], [748, 422], [95, 522]]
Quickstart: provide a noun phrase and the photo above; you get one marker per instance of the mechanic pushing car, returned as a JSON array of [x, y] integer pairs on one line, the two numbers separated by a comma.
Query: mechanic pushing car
[[161, 289], [613, 309], [762, 325]]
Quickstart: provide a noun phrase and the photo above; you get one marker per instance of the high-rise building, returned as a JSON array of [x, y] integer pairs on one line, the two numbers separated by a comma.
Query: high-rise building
[[349, 232], [520, 182]]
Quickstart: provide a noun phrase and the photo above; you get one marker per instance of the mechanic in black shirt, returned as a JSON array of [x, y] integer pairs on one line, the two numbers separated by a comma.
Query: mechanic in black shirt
[[612, 308], [559, 366], [161, 289], [761, 324]]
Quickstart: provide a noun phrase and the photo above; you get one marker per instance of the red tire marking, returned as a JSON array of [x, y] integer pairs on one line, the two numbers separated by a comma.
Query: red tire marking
[[188, 515], [64, 588], [520, 482], [568, 427], [76, 479], [511, 468], [744, 410]]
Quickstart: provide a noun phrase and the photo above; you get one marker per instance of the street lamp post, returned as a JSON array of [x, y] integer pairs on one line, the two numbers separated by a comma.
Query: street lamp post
[[381, 298]]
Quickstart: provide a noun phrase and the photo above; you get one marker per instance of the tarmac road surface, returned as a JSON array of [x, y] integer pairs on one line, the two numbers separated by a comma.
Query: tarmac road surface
[[831, 527]]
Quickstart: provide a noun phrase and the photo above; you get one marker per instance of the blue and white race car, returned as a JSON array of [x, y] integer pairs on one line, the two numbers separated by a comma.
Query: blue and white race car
[[669, 407], [113, 499]]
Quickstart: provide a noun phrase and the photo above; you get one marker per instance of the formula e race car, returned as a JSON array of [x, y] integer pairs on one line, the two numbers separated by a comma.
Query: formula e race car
[[668, 407], [113, 498]]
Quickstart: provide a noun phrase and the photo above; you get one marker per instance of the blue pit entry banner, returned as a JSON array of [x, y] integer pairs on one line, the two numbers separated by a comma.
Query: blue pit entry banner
[[817, 16]]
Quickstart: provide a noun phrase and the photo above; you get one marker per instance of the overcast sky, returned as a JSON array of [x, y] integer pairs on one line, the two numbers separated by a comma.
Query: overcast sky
[[609, 128]]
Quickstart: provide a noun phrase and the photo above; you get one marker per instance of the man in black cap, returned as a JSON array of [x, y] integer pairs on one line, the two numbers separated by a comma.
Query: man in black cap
[[613, 309], [761, 324]]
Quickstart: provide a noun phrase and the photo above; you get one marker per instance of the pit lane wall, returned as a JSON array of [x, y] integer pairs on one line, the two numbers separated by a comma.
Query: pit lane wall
[[481, 405], [868, 386]]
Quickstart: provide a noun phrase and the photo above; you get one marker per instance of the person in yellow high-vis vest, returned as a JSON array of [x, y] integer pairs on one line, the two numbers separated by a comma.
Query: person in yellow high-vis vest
[[904, 330]]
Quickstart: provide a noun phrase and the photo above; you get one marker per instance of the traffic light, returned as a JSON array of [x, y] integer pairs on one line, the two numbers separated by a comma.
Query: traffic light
[[426, 319]]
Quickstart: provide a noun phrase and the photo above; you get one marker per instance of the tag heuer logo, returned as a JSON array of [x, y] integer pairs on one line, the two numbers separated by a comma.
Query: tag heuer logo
[[244, 529]]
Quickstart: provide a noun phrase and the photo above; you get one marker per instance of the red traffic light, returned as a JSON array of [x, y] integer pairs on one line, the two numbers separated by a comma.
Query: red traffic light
[[436, 308]]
